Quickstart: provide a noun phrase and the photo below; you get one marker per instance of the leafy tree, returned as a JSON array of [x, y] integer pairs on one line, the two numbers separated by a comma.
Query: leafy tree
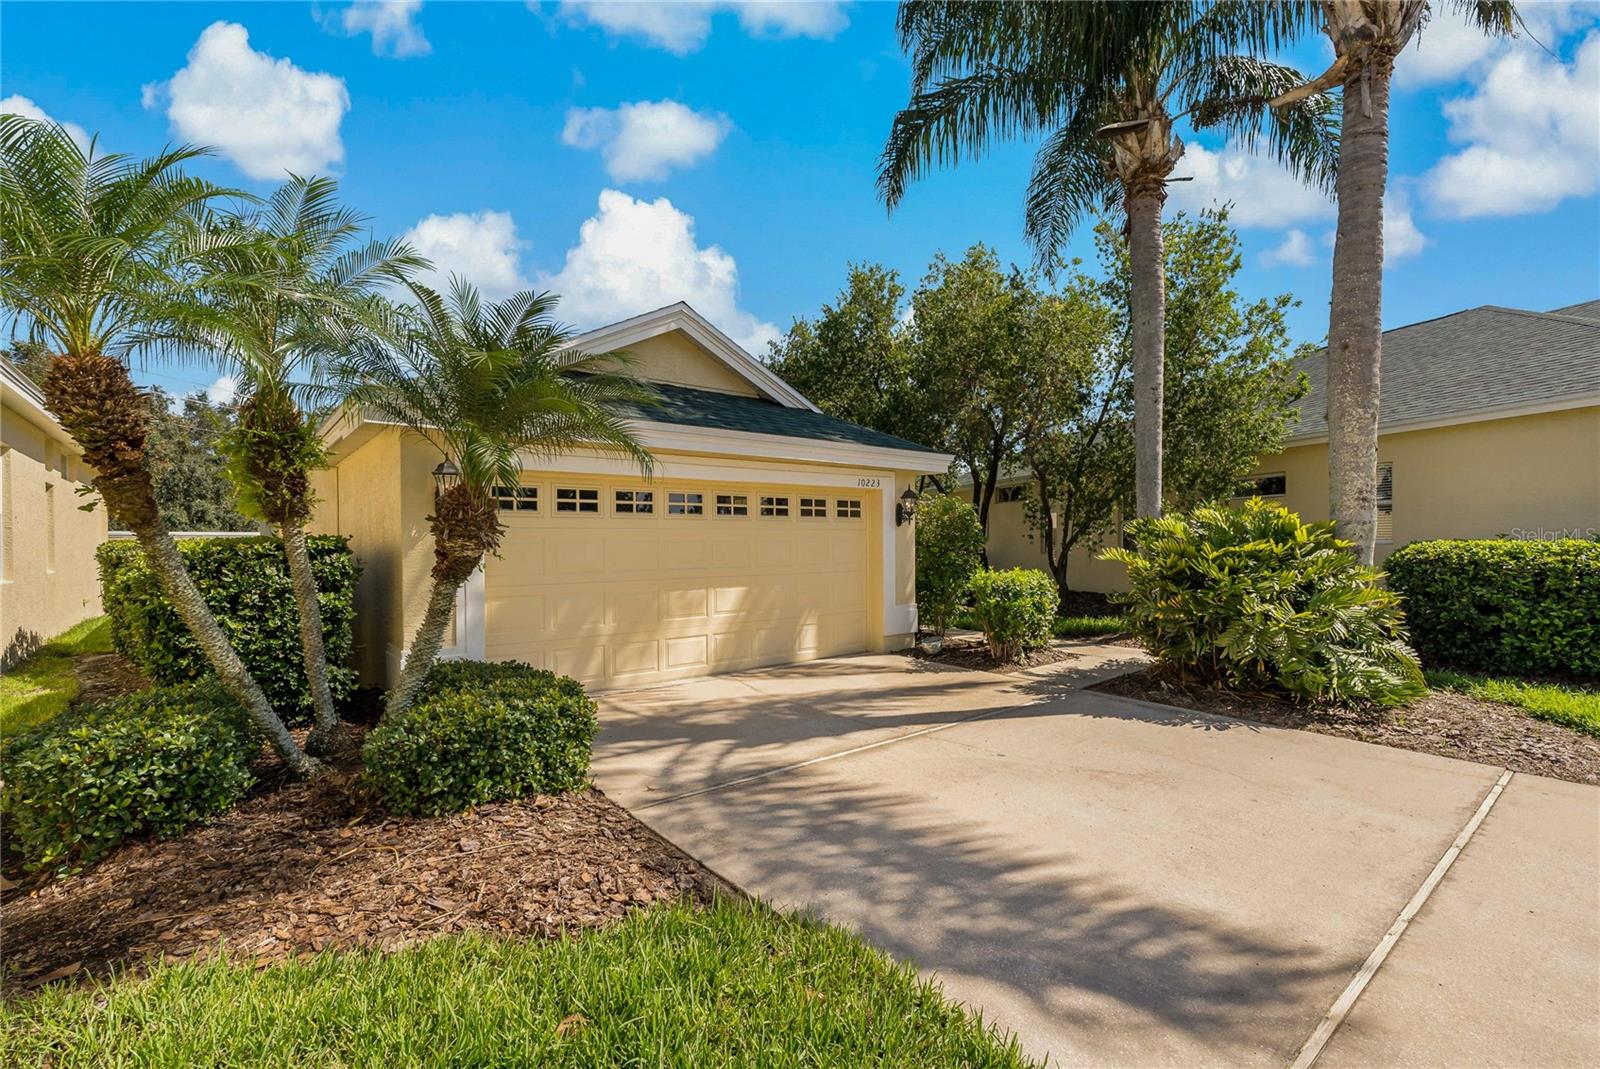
[[188, 468], [949, 549], [484, 383], [32, 358], [96, 253], [1101, 80], [1367, 37]]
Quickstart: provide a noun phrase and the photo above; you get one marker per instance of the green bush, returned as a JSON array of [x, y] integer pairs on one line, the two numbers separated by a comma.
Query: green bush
[[246, 583], [1251, 598], [949, 549], [1015, 609], [481, 732], [1516, 607], [155, 762]]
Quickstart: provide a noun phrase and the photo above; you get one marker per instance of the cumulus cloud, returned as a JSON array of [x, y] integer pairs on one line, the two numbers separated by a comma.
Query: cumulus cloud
[[392, 24], [1531, 136], [636, 255], [645, 140], [683, 27], [1261, 191], [265, 114], [16, 104], [1449, 47], [1296, 250], [482, 247], [222, 391], [1401, 238]]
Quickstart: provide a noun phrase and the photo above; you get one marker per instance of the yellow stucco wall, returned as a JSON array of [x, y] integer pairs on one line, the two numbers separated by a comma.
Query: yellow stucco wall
[[48, 577], [1014, 544], [676, 359]]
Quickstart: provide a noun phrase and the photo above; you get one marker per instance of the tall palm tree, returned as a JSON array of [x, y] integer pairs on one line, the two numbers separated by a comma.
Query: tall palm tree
[[1106, 82], [486, 384], [299, 289], [96, 255], [1367, 35]]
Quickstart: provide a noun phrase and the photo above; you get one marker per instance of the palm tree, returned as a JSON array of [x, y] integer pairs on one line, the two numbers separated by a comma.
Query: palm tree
[[486, 384], [1106, 82], [279, 305], [96, 253], [1367, 35]]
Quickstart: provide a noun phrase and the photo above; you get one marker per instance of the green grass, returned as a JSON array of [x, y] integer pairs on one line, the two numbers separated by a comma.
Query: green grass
[[733, 985], [1560, 703], [43, 685], [1088, 626]]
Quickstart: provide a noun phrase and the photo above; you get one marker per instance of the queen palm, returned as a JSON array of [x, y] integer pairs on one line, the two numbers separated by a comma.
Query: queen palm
[[1367, 36], [97, 253], [486, 384], [1105, 83], [299, 289]]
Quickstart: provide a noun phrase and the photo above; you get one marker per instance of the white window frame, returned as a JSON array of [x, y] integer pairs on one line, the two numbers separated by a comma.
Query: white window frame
[[577, 501], [638, 503], [847, 508], [773, 506], [737, 505], [682, 506], [514, 499], [813, 508]]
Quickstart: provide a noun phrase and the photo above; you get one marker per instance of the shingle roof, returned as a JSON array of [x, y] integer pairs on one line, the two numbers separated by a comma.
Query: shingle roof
[[706, 408], [1470, 362]]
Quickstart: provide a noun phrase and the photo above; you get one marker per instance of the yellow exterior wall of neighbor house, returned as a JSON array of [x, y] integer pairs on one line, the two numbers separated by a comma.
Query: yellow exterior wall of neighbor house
[[676, 359], [1013, 543], [48, 577]]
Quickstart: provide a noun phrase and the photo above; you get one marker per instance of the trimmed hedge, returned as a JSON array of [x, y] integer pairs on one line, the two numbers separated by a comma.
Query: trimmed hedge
[[1518, 607], [155, 762], [949, 549], [1015, 609], [246, 583], [482, 732]]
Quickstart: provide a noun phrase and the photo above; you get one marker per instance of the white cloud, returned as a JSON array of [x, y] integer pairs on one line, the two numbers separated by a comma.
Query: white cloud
[[1262, 192], [265, 114], [1295, 250], [684, 26], [482, 247], [16, 104], [222, 391], [636, 255], [392, 24], [1532, 136], [646, 139], [1401, 238], [1449, 47]]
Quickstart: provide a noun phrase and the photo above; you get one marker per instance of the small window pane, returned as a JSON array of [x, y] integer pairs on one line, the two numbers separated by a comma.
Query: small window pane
[[814, 508], [683, 503], [1266, 486], [733, 505], [517, 498], [575, 499], [635, 502], [848, 508], [1011, 493], [774, 506]]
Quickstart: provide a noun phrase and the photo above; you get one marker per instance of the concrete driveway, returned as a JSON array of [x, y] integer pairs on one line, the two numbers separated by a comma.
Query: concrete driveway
[[1129, 884]]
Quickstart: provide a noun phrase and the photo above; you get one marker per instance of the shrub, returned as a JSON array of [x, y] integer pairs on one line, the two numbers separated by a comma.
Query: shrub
[[1252, 598], [481, 732], [155, 762], [246, 583], [1518, 607], [1014, 609], [949, 549]]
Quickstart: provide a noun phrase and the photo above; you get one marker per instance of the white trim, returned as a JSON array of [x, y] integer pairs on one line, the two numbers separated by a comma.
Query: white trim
[[1482, 415], [17, 389], [656, 435]]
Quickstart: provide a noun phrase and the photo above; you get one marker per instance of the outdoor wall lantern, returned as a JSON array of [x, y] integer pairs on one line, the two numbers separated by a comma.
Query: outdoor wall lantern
[[905, 510], [445, 476]]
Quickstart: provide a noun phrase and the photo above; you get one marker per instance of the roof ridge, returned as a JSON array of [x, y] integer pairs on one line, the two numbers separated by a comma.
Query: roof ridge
[[1542, 315]]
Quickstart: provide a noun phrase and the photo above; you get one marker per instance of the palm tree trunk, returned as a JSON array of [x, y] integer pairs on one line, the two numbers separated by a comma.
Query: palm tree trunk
[[425, 645], [1148, 308], [326, 725], [1355, 327]]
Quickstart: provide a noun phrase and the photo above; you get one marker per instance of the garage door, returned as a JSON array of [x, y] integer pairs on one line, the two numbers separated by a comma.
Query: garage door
[[626, 583]]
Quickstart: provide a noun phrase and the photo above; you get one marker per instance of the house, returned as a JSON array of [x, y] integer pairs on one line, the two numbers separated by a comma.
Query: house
[[768, 532], [1489, 426], [48, 578]]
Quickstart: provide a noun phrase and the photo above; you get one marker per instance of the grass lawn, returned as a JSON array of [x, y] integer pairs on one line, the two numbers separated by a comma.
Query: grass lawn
[[1559, 703], [1088, 626], [43, 685], [734, 984]]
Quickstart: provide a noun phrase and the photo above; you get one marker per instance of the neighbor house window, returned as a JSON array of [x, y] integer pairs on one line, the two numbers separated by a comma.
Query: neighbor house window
[[574, 499], [635, 502], [1011, 493], [517, 498], [1266, 486], [848, 508], [813, 508], [733, 505], [686, 504], [774, 506], [1385, 516]]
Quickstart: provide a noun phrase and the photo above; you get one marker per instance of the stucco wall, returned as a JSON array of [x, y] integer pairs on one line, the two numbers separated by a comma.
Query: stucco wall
[[48, 578], [676, 359]]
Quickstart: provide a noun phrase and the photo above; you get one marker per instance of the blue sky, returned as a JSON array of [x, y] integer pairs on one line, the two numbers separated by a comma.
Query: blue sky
[[629, 155]]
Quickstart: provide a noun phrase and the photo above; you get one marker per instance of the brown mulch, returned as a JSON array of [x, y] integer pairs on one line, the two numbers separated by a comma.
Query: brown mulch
[[1444, 723], [974, 653], [103, 676], [312, 866]]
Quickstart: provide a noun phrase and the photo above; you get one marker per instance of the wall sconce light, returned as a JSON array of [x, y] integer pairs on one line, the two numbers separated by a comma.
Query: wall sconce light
[[905, 510], [445, 476]]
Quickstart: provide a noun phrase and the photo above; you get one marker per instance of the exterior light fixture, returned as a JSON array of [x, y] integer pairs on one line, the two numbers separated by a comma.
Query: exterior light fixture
[[905, 510], [445, 477]]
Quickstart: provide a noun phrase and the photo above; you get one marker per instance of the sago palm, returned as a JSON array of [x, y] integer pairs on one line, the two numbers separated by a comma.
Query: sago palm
[[299, 288], [97, 252], [1367, 35], [486, 384], [1104, 83]]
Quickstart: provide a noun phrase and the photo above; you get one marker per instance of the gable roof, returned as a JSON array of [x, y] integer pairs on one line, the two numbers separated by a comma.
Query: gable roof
[[1482, 363], [689, 407]]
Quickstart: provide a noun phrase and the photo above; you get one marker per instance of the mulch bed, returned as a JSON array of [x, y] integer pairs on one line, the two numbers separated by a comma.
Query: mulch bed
[[312, 866], [103, 676], [974, 653], [1444, 723]]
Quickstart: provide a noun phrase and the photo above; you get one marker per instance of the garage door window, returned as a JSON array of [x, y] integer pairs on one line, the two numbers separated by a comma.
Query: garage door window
[[848, 508], [685, 504], [635, 502], [774, 506], [733, 505], [574, 499], [813, 508], [517, 498]]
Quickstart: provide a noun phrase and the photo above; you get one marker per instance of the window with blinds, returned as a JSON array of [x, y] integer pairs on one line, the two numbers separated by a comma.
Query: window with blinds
[[1385, 512]]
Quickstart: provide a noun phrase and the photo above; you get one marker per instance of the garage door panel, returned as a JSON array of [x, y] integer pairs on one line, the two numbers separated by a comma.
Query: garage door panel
[[684, 603], [694, 553], [632, 553], [633, 658], [574, 557], [689, 652], [632, 609], [586, 664], [775, 552], [576, 610], [730, 649]]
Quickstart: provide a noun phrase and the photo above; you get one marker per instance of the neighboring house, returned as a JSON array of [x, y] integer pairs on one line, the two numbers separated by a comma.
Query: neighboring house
[[1489, 426], [767, 534], [48, 579]]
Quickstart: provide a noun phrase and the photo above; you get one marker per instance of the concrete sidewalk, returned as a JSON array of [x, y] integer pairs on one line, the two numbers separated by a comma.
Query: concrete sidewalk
[[1129, 884]]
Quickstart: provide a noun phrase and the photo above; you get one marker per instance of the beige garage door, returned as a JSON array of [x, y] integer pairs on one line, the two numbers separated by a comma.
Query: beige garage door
[[625, 583]]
